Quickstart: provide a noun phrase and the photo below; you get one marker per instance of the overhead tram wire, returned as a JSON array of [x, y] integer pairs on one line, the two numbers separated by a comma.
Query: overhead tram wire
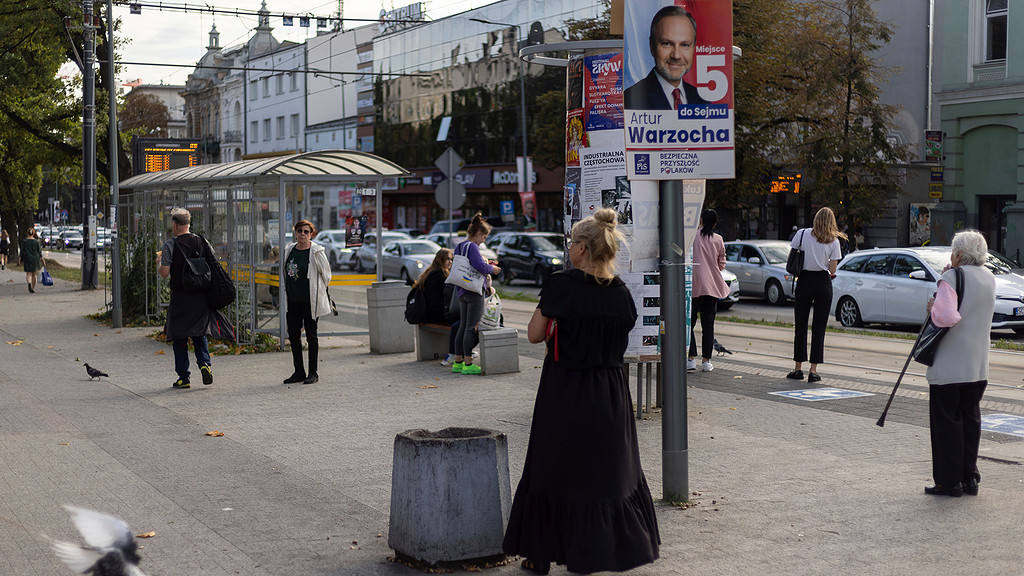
[[252, 69], [200, 8]]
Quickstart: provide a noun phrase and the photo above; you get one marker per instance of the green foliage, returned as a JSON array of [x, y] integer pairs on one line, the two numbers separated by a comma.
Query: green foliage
[[548, 135], [137, 258]]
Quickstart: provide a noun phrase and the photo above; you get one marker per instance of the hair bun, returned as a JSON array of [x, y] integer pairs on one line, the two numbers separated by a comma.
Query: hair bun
[[606, 216]]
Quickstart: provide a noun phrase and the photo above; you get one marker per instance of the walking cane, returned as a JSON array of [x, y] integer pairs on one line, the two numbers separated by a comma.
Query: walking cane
[[881, 419]]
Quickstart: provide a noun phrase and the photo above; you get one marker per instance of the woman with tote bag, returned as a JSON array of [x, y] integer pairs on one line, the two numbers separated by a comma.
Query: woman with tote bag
[[471, 275]]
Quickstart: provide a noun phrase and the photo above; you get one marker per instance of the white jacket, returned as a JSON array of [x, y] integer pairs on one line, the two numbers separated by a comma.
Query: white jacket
[[319, 278]]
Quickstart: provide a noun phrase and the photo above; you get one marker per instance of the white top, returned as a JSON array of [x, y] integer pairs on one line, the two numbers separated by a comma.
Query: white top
[[816, 254], [668, 88]]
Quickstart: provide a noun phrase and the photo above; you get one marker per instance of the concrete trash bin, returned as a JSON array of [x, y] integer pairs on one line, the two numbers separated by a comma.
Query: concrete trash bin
[[385, 310], [450, 494]]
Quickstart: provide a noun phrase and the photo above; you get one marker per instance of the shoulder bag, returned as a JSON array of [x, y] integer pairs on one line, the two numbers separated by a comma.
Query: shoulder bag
[[222, 288], [464, 275], [795, 262], [46, 279], [928, 343]]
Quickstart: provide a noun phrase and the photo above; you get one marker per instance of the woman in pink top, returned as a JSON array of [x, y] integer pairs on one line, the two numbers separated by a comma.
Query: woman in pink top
[[708, 287]]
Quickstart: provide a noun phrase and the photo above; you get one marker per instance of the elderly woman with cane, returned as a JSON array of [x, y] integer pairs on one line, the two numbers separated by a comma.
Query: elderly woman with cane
[[959, 374]]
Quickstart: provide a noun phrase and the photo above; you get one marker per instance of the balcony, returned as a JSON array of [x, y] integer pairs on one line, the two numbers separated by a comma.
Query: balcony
[[232, 137]]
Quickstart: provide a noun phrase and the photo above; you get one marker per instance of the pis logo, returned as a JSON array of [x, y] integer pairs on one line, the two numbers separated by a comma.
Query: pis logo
[[642, 163]]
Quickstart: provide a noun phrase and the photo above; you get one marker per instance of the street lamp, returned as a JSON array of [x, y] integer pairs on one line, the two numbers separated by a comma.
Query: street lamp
[[522, 93]]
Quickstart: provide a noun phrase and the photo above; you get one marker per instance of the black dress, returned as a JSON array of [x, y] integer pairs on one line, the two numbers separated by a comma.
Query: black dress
[[583, 500]]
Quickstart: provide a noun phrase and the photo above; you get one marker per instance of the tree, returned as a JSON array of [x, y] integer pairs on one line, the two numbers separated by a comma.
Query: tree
[[144, 114]]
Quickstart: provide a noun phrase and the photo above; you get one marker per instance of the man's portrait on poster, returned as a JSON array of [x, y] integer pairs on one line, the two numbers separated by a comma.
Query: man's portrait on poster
[[673, 41]]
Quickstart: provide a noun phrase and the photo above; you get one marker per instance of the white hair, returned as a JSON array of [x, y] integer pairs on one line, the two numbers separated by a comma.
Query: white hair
[[181, 216], [971, 246]]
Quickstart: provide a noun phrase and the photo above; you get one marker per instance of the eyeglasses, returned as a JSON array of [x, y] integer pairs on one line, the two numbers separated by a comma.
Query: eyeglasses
[[304, 231]]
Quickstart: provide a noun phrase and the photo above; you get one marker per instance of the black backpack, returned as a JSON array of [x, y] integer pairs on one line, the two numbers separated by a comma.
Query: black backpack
[[416, 306], [195, 274]]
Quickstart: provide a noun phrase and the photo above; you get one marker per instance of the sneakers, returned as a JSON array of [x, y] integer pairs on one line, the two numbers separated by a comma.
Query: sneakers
[[706, 366], [448, 360], [207, 372], [472, 369], [691, 365], [181, 383], [457, 368]]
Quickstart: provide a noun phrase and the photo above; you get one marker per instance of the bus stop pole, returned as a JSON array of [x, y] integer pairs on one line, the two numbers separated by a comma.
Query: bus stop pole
[[282, 300], [674, 443], [380, 229]]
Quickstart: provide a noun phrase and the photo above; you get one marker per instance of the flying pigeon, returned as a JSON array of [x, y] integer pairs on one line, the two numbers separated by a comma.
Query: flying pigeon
[[94, 373], [110, 548], [722, 350]]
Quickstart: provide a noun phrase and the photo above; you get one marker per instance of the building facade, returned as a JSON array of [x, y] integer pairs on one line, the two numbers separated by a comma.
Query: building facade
[[170, 96], [980, 98], [276, 101]]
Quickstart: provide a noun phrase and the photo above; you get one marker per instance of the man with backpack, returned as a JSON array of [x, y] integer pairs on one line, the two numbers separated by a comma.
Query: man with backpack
[[184, 259]]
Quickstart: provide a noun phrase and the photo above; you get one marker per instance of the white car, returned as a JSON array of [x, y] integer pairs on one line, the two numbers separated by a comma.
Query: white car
[[892, 286], [407, 259], [734, 291], [333, 241]]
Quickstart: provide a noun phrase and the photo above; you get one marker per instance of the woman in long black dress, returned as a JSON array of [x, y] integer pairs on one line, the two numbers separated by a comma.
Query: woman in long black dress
[[583, 500]]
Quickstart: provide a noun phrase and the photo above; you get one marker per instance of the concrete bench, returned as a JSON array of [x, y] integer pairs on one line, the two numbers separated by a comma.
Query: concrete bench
[[499, 350], [432, 341]]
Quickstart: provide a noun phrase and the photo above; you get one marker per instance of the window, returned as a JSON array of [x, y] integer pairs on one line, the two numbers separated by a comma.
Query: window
[[853, 264], [995, 30], [266, 129], [750, 252], [280, 127], [294, 125], [266, 86], [279, 83], [732, 252], [905, 265], [878, 265], [254, 131], [253, 89], [293, 79]]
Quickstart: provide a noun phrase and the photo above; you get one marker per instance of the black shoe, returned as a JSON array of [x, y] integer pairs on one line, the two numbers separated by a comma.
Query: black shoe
[[535, 567], [813, 377], [181, 383], [31, 289], [939, 490], [207, 372], [311, 379], [796, 375], [295, 378], [970, 486]]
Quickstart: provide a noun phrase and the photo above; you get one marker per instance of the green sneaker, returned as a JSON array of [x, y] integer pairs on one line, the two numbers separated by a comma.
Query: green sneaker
[[457, 368], [472, 369], [207, 371], [181, 383]]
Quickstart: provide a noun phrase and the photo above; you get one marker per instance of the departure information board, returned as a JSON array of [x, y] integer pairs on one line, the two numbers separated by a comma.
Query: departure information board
[[159, 154]]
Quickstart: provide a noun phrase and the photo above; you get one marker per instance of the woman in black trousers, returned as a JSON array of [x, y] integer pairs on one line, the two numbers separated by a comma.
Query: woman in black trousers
[[822, 252]]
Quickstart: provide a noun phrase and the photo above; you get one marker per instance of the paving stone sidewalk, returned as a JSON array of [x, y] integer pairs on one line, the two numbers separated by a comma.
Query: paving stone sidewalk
[[300, 482]]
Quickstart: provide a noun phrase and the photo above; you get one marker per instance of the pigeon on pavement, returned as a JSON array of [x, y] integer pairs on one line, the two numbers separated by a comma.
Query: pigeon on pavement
[[94, 373], [110, 548], [722, 350]]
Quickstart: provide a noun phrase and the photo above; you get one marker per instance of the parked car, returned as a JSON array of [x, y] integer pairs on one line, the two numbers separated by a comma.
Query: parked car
[[407, 259], [462, 224], [415, 233], [333, 242], [446, 241], [71, 239], [760, 268], [892, 286], [734, 291], [528, 255], [364, 259], [50, 238]]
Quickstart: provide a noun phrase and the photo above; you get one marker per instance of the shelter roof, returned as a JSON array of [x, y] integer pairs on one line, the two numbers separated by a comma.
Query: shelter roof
[[331, 164]]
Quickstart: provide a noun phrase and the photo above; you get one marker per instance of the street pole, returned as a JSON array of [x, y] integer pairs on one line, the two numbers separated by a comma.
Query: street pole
[[114, 137], [674, 442], [89, 271]]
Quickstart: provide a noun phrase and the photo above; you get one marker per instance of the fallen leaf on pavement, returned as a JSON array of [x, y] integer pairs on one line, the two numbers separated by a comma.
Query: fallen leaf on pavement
[[731, 408], [214, 433], [95, 334], [737, 377], [149, 534], [160, 352], [15, 342], [426, 386]]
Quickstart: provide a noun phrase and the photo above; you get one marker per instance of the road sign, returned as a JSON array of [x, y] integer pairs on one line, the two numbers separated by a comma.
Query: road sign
[[450, 161], [458, 194]]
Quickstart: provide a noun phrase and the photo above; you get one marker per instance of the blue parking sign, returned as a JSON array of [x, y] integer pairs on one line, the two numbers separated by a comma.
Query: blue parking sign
[[507, 207], [819, 394], [1004, 424]]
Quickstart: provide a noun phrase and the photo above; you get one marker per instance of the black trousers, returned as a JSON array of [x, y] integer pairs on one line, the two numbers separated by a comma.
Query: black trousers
[[813, 291], [706, 307], [300, 316], [955, 418]]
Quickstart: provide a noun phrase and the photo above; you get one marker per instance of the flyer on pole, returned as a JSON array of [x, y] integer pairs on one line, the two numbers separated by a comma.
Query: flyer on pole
[[679, 116]]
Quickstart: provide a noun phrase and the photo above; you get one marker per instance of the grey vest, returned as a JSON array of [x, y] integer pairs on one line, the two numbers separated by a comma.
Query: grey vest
[[962, 355]]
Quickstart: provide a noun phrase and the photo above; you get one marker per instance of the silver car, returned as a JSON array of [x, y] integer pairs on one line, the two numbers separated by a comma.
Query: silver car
[[407, 259], [760, 268], [443, 239], [364, 259], [333, 241], [892, 286]]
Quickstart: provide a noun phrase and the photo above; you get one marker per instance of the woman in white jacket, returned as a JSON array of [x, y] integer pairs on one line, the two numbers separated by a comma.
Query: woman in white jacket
[[307, 275]]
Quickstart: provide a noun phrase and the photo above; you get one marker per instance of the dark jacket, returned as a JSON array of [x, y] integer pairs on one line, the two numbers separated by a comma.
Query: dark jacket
[[188, 313], [433, 289], [648, 95]]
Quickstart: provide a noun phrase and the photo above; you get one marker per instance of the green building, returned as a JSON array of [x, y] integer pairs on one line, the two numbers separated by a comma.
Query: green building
[[979, 93]]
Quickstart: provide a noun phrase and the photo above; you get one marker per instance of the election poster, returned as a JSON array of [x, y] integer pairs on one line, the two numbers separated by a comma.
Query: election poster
[[602, 84], [679, 118]]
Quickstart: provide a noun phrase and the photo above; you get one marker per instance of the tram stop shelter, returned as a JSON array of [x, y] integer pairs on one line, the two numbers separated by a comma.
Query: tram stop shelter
[[246, 210]]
